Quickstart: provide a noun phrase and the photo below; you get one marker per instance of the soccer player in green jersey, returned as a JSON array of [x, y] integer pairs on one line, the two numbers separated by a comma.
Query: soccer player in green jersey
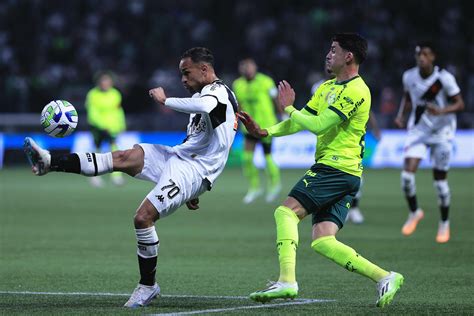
[[106, 118], [255, 93], [337, 113]]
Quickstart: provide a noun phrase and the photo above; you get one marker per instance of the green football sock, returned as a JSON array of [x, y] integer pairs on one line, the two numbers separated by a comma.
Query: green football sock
[[287, 242], [250, 171], [346, 257], [273, 172]]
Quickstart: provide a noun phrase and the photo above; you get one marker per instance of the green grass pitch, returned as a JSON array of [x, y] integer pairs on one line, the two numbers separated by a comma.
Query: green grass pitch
[[60, 235]]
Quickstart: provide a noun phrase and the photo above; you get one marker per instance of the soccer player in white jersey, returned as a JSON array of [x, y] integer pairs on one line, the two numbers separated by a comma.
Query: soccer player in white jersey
[[433, 97], [181, 173]]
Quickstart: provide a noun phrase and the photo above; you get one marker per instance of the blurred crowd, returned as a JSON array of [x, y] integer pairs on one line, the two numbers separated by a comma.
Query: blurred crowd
[[51, 49]]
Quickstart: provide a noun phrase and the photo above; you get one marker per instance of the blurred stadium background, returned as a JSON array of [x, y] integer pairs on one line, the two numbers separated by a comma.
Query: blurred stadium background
[[51, 49], [59, 45]]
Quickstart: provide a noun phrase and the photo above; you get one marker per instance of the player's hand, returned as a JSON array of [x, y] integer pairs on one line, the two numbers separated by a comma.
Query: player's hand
[[252, 127], [158, 95], [286, 95], [399, 122], [433, 109], [193, 204]]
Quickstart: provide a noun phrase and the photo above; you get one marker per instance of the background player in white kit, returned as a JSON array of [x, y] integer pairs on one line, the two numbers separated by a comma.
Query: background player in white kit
[[181, 173], [434, 97]]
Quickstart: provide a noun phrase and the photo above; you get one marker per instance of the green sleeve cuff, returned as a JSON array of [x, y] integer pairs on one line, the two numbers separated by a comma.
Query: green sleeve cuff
[[290, 109]]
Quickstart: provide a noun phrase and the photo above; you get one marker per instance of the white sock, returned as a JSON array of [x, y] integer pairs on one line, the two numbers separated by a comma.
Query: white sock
[[408, 183], [444, 194], [93, 164], [147, 242]]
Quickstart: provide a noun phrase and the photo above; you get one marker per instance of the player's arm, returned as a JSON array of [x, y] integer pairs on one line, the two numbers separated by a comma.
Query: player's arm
[[286, 127], [204, 104], [456, 105], [405, 107], [316, 124]]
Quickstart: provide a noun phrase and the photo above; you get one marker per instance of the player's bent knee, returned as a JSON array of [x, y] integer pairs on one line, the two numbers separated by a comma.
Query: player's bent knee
[[146, 215], [129, 161]]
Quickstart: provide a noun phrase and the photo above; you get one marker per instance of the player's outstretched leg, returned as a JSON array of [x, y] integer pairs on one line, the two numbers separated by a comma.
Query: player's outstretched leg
[[387, 283], [39, 158], [87, 164], [388, 287]]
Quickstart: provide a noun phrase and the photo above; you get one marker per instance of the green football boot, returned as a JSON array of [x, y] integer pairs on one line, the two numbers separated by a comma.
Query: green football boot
[[275, 290]]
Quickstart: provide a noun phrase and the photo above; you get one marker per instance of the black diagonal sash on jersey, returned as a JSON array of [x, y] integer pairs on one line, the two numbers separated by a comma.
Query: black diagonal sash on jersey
[[429, 95]]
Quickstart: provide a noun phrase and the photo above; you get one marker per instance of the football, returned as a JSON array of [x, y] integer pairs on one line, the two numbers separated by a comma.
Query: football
[[59, 118]]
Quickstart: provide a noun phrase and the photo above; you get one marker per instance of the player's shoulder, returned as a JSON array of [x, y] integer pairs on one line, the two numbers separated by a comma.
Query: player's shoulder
[[410, 73], [328, 83], [216, 88], [356, 85], [260, 76], [238, 81], [444, 74]]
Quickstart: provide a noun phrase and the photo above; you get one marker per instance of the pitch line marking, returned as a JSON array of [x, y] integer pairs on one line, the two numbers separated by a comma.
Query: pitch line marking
[[217, 310], [301, 301]]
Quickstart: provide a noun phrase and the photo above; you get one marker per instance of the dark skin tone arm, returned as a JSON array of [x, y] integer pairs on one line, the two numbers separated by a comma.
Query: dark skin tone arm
[[405, 107], [456, 105]]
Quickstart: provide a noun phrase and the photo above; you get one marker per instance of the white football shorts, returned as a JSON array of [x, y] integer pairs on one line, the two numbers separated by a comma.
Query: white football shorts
[[417, 144], [177, 181]]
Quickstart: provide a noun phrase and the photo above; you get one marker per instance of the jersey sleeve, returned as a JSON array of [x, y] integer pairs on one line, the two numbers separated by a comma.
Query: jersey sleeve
[[449, 84], [405, 81], [204, 104], [348, 102]]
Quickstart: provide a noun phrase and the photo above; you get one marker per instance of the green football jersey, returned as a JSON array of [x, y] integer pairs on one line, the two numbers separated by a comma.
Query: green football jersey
[[104, 110], [255, 98], [342, 147]]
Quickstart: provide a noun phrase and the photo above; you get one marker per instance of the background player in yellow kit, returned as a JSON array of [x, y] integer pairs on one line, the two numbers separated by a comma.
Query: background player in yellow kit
[[106, 118], [255, 93]]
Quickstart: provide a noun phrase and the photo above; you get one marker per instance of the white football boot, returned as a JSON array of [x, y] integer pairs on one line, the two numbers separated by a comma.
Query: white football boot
[[39, 158], [96, 182], [388, 287], [355, 215], [252, 195], [142, 295], [273, 193]]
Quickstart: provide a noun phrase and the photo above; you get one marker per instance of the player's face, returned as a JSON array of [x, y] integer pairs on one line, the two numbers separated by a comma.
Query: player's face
[[105, 83], [248, 69], [193, 75], [424, 57], [335, 58]]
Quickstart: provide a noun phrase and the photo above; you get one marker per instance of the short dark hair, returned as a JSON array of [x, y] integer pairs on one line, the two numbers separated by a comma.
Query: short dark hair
[[427, 44], [199, 54], [353, 43]]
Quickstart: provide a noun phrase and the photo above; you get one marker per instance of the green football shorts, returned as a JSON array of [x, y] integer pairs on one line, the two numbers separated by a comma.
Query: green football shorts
[[326, 193]]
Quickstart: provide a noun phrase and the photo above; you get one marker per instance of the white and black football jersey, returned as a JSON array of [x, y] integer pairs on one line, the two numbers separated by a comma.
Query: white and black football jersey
[[211, 129], [438, 88]]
